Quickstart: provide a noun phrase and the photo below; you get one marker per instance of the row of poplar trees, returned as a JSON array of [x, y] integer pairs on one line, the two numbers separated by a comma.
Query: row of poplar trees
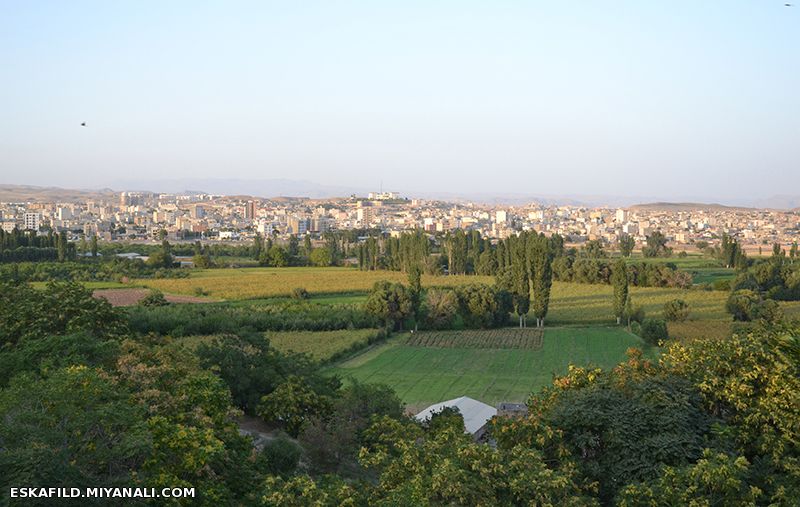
[[527, 273]]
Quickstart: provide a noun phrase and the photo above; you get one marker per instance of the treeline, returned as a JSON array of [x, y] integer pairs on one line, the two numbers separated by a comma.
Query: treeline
[[777, 277], [28, 246], [461, 253], [207, 319], [570, 268]]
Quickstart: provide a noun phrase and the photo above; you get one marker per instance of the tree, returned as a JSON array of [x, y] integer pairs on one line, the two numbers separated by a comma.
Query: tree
[[654, 331], [626, 245], [676, 310], [441, 308], [390, 302], [415, 290], [94, 245], [258, 246], [73, 428], [482, 306], [519, 272], [320, 257], [656, 246], [715, 479], [278, 257], [291, 404], [161, 258], [62, 246], [541, 260], [619, 282]]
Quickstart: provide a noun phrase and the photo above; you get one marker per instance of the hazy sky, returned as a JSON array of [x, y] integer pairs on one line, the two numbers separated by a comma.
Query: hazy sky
[[679, 97]]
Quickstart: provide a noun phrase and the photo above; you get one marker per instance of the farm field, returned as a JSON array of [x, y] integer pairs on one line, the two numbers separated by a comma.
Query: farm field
[[425, 375], [254, 283], [572, 303], [321, 345]]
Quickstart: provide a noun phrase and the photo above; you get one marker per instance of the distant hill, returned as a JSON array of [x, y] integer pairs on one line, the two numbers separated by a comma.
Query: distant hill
[[682, 206], [31, 193]]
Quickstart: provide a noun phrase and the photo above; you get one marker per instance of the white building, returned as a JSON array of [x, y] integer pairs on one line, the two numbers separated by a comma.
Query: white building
[[475, 413], [31, 221], [500, 216]]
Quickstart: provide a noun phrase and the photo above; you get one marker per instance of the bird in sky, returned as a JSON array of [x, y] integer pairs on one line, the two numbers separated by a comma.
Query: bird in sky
[[83, 124]]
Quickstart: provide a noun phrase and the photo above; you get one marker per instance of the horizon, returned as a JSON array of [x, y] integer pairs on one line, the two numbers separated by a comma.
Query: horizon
[[674, 102]]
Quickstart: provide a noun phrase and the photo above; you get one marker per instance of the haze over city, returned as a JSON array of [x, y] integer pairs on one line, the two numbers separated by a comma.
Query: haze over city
[[665, 100]]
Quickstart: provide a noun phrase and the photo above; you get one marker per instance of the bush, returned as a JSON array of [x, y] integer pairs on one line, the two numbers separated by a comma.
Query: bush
[[154, 298], [676, 310], [281, 456], [654, 331], [300, 293], [722, 285]]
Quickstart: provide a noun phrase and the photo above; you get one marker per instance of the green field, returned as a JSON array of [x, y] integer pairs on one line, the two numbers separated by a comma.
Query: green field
[[321, 345], [426, 375]]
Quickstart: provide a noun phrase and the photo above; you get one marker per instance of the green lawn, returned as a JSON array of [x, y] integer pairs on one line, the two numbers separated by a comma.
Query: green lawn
[[426, 375]]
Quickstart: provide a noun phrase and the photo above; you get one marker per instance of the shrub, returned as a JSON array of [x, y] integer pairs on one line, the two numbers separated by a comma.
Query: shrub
[[300, 293], [654, 331], [724, 285], [281, 456], [676, 310], [154, 298]]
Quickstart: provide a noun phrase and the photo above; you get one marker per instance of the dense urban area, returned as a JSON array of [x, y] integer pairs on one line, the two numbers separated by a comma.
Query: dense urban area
[[142, 216]]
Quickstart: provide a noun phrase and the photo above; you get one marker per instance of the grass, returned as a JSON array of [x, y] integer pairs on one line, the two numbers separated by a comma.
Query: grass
[[321, 345], [425, 375], [259, 283], [582, 304]]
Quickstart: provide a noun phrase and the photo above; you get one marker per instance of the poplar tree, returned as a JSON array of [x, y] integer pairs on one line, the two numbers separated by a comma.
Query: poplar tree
[[520, 281], [619, 281], [541, 261]]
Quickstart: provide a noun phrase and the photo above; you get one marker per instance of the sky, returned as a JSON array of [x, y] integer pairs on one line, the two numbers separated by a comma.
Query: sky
[[619, 97]]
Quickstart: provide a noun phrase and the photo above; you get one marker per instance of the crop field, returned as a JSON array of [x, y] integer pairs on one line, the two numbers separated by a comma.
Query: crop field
[[321, 345], [426, 375], [509, 338], [572, 303], [254, 283]]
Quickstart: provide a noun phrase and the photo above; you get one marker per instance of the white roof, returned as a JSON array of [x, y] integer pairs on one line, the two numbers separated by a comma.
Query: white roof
[[474, 412]]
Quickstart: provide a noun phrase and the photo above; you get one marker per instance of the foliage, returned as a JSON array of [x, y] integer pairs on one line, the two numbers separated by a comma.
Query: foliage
[[715, 479], [281, 456], [446, 468], [61, 308], [752, 382], [440, 309], [676, 310], [654, 331], [389, 302], [482, 306], [251, 368], [154, 298], [333, 441], [293, 403], [209, 319]]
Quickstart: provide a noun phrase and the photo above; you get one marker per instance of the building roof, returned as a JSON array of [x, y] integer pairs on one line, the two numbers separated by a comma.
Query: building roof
[[474, 412]]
